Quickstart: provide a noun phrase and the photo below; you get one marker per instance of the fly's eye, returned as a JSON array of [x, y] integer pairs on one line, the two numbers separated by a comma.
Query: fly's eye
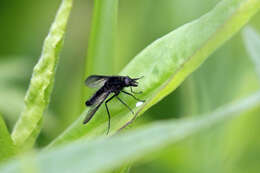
[[127, 81]]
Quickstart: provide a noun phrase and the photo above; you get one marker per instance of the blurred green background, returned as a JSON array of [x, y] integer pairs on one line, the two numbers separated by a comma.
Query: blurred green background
[[228, 75]]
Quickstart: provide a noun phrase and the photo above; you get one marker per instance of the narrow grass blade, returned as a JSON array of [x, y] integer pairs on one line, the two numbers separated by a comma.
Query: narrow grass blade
[[101, 47], [252, 43], [7, 148], [104, 154], [101, 44], [168, 61], [39, 92]]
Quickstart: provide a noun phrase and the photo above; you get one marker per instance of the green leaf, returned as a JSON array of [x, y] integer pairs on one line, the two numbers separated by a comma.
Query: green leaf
[[167, 62], [6, 144], [252, 43], [39, 92], [104, 154], [125, 168]]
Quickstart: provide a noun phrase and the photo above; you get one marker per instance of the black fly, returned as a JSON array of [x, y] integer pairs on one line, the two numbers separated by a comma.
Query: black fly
[[108, 85]]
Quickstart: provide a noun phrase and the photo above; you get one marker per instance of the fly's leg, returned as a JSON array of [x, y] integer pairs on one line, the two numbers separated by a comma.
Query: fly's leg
[[132, 91], [132, 120], [125, 104], [108, 128], [133, 96]]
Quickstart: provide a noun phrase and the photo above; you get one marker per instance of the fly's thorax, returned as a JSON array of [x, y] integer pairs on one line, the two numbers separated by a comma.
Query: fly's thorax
[[114, 81], [114, 87]]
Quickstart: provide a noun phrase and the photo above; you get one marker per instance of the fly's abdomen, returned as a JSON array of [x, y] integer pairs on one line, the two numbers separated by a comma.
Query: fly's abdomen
[[95, 97], [92, 100], [88, 103]]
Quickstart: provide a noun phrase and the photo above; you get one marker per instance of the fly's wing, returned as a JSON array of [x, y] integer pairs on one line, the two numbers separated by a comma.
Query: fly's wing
[[95, 81], [93, 109]]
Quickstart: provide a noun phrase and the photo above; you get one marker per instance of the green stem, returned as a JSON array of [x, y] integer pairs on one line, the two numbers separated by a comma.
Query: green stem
[[38, 95]]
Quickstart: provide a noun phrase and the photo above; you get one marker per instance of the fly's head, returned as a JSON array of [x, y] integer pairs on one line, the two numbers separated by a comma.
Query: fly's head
[[131, 82]]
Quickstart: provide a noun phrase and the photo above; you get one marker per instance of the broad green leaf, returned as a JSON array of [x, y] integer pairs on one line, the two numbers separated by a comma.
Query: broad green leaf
[[103, 154], [39, 92], [125, 168], [7, 148], [252, 43], [101, 47], [168, 61]]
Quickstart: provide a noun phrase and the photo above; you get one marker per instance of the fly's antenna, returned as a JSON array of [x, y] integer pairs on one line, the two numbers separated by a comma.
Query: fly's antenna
[[138, 78]]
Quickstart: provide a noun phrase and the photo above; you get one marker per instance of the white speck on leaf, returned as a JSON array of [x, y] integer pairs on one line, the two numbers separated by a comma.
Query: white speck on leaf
[[138, 104]]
